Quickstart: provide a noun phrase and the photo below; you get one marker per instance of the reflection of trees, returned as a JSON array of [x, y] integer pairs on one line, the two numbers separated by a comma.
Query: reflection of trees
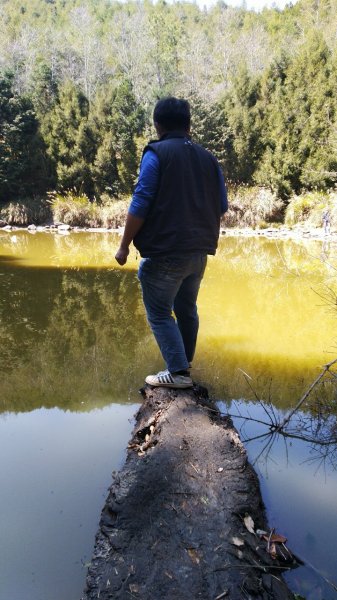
[[313, 419], [26, 300], [70, 338]]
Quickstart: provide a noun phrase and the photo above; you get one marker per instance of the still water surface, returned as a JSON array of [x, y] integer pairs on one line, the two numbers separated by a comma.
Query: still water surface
[[74, 349]]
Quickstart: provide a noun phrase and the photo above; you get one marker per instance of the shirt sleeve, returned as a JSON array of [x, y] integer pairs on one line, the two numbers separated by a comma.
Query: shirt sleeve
[[146, 186], [223, 191]]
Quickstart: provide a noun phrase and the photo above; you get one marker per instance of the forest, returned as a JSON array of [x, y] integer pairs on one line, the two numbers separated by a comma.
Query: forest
[[79, 78]]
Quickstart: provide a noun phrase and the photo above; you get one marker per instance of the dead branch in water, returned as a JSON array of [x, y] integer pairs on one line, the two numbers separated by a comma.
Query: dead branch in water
[[286, 420]]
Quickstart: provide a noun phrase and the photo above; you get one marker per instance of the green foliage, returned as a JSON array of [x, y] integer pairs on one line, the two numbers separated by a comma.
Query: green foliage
[[308, 208], [69, 139], [244, 127], [262, 86], [21, 171], [116, 121], [210, 129], [298, 100]]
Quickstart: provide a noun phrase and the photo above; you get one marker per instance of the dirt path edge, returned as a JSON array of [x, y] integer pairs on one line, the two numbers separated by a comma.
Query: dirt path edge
[[172, 527]]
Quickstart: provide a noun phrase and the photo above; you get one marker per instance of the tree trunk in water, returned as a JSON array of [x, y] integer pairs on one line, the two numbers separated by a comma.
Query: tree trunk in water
[[174, 526]]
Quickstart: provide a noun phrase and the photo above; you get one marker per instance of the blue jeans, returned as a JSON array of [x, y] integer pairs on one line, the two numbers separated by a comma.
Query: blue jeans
[[172, 283]]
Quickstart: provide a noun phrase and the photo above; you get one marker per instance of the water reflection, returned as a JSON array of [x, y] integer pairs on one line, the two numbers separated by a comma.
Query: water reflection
[[299, 488], [69, 335], [73, 338], [74, 329]]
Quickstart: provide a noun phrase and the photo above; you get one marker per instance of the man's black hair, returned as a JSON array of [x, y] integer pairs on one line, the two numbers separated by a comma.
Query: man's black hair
[[172, 114]]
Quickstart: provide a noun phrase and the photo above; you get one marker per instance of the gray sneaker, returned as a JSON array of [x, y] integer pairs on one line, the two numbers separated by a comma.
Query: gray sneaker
[[166, 379]]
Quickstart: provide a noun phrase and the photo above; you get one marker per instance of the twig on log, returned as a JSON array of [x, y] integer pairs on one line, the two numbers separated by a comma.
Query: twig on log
[[225, 593]]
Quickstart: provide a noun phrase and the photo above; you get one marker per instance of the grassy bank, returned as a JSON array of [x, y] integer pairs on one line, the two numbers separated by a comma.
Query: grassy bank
[[249, 206], [69, 208]]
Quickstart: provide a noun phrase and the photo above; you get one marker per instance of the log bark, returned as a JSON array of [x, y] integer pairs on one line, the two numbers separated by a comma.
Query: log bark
[[173, 526]]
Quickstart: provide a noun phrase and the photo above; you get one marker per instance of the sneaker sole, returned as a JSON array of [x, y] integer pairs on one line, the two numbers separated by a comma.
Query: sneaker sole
[[171, 385]]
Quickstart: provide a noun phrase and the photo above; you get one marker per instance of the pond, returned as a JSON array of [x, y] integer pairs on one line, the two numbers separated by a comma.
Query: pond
[[74, 350]]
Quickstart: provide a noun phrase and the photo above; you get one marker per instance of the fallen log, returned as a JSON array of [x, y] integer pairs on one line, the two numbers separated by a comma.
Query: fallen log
[[182, 517]]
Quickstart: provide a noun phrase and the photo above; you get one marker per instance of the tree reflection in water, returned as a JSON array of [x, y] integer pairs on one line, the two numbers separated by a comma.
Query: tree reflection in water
[[312, 421]]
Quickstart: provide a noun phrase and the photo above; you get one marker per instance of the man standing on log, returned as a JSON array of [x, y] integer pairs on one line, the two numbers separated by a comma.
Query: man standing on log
[[174, 221]]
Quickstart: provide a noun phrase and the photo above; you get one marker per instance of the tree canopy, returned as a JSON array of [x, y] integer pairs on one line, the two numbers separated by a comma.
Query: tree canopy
[[78, 81]]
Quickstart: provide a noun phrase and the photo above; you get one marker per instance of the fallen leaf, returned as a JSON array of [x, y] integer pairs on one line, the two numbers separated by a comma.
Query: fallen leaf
[[134, 588], [193, 554], [272, 551], [220, 469], [274, 537], [168, 575], [237, 542], [248, 521]]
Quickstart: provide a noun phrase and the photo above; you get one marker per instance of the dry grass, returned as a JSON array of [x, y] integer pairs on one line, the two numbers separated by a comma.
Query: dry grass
[[252, 207], [308, 208], [78, 211], [26, 212]]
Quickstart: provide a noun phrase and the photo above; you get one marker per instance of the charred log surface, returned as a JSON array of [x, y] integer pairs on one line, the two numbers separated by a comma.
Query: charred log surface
[[173, 526]]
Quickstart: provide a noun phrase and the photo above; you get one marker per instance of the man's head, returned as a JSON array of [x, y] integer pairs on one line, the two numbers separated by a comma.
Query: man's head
[[172, 114]]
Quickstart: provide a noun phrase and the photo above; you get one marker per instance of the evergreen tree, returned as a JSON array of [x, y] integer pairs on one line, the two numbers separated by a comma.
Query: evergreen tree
[[117, 121], [244, 126], [277, 168], [21, 173], [43, 89], [210, 129], [70, 140], [300, 95]]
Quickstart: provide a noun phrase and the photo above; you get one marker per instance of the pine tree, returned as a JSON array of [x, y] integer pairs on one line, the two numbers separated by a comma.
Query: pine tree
[[117, 121], [21, 173], [210, 128], [299, 100], [70, 140], [244, 127]]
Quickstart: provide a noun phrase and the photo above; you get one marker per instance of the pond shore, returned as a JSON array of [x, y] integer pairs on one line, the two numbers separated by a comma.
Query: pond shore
[[280, 232], [184, 517]]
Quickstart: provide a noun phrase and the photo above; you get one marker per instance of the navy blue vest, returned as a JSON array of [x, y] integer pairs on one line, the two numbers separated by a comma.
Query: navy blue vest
[[185, 214]]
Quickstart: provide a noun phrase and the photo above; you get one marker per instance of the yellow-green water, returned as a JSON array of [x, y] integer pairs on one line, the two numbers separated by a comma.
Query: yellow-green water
[[74, 349], [70, 313]]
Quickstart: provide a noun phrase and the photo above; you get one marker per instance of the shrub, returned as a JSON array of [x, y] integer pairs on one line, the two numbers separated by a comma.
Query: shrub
[[308, 208], [252, 207], [73, 209], [113, 213], [78, 211], [25, 212]]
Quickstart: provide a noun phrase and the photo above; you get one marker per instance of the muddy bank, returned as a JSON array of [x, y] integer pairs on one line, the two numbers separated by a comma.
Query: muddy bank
[[181, 518]]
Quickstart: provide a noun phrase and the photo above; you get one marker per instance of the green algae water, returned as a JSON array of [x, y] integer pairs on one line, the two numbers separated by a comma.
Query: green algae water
[[74, 350]]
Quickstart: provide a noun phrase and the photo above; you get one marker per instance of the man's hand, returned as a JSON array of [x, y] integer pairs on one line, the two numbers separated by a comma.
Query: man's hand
[[122, 255], [132, 226]]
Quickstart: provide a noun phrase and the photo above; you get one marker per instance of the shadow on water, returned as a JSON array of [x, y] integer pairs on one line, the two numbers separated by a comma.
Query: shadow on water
[[71, 339], [78, 339], [10, 259]]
